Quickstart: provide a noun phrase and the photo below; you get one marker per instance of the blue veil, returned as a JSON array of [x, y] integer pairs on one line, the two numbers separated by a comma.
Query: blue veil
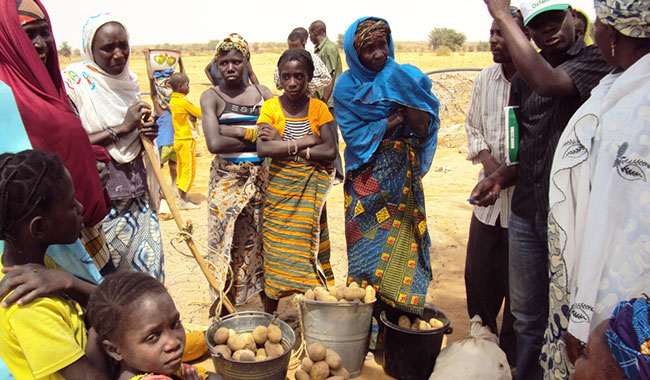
[[363, 100]]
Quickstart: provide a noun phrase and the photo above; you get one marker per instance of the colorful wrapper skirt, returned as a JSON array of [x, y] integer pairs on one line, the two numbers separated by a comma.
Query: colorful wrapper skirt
[[133, 236], [236, 196], [386, 227], [296, 238]]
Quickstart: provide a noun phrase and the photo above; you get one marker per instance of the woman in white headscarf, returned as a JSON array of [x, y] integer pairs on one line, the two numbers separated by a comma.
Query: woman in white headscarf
[[599, 220], [107, 96]]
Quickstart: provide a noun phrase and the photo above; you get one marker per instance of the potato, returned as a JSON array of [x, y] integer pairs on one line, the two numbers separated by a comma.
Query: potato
[[371, 294], [423, 326], [404, 322], [321, 294], [435, 323], [339, 292], [302, 375], [221, 336], [274, 334], [244, 356], [231, 332], [316, 352], [332, 291], [319, 371], [250, 342], [260, 335], [259, 358], [332, 359], [335, 378], [353, 284], [414, 326], [331, 299], [310, 295], [223, 350], [236, 343], [340, 372], [273, 349], [343, 300], [352, 294], [306, 364], [261, 352]]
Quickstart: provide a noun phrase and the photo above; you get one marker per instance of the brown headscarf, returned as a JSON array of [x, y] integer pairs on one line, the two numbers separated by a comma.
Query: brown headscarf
[[29, 11], [368, 30]]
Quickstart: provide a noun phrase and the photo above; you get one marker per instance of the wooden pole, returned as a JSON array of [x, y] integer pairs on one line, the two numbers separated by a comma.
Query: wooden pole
[[167, 194]]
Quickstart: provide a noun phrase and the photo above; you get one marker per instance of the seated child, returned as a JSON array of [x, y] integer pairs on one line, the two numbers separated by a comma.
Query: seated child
[[618, 348], [45, 338], [184, 142], [140, 328]]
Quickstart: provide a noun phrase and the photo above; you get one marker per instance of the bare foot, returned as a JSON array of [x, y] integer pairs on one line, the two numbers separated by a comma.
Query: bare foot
[[184, 205]]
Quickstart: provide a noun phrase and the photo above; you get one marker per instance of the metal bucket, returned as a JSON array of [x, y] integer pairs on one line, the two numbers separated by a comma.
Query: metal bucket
[[245, 322], [342, 327]]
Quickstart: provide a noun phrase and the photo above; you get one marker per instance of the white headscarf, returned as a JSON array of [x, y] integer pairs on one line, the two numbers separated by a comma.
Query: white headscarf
[[103, 99]]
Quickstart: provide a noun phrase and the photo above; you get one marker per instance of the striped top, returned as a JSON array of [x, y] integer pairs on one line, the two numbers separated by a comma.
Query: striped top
[[296, 128], [241, 116], [485, 131]]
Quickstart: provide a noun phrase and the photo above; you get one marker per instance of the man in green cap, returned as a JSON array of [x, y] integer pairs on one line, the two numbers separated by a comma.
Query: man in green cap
[[548, 89]]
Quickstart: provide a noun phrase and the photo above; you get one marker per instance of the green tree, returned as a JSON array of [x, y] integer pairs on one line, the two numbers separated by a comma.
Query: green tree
[[65, 50], [448, 37]]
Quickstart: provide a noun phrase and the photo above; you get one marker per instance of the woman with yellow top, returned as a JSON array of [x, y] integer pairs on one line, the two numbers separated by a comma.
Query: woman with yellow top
[[295, 235]]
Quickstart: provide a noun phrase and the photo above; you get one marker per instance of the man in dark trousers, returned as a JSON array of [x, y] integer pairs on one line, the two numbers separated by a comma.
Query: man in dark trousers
[[486, 266], [548, 88], [329, 54]]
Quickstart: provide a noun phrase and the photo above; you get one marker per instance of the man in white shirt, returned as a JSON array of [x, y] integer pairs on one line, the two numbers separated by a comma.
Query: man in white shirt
[[486, 267]]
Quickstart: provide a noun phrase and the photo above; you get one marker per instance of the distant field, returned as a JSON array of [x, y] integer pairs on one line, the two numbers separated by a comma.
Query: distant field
[[264, 65]]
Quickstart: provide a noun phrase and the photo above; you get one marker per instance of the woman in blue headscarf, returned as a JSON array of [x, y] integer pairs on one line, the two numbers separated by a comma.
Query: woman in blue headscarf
[[389, 120]]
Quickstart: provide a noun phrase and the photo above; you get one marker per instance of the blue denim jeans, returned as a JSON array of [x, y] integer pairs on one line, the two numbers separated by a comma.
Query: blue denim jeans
[[528, 275]]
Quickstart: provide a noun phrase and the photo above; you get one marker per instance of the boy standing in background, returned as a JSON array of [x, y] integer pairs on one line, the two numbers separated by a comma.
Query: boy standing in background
[[184, 142]]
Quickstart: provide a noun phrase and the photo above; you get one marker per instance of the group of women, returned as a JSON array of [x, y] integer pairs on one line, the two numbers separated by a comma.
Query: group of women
[[267, 217]]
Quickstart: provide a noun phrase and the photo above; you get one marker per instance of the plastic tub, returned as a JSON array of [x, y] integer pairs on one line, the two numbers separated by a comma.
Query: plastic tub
[[411, 354], [245, 322], [163, 59]]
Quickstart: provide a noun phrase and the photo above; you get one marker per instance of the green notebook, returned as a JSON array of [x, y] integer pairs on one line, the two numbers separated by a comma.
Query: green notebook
[[512, 135]]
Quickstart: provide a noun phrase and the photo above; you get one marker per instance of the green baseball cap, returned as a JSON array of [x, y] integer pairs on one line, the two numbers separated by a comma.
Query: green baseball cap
[[531, 8]]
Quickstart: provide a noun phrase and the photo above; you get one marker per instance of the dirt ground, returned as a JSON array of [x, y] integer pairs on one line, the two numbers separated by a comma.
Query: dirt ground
[[447, 187]]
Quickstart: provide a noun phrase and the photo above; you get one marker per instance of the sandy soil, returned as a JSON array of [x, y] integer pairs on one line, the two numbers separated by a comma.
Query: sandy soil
[[446, 186]]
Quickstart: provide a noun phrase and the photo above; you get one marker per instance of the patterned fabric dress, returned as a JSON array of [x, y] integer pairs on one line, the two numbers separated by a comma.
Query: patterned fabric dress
[[386, 226], [295, 234], [236, 201], [599, 219]]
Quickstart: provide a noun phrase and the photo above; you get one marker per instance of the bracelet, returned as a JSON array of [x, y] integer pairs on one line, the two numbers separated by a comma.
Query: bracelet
[[307, 154], [249, 134], [113, 135], [253, 135]]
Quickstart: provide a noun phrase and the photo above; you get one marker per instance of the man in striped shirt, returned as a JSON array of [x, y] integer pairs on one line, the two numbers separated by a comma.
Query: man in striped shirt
[[486, 267], [548, 88]]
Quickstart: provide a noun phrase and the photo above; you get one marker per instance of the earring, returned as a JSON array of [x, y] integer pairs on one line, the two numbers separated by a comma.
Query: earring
[[613, 45]]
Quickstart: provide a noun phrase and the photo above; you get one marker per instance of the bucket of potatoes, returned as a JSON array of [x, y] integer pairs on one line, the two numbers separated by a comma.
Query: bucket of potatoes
[[250, 344]]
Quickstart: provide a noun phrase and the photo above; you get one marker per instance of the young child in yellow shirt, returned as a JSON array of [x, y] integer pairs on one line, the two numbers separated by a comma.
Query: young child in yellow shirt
[[184, 142], [45, 337]]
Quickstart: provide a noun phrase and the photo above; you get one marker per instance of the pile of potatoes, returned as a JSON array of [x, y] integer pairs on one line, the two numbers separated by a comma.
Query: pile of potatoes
[[321, 364], [263, 343], [418, 324], [342, 294]]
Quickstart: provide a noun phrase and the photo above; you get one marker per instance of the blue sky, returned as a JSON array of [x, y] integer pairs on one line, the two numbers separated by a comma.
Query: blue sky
[[160, 21]]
